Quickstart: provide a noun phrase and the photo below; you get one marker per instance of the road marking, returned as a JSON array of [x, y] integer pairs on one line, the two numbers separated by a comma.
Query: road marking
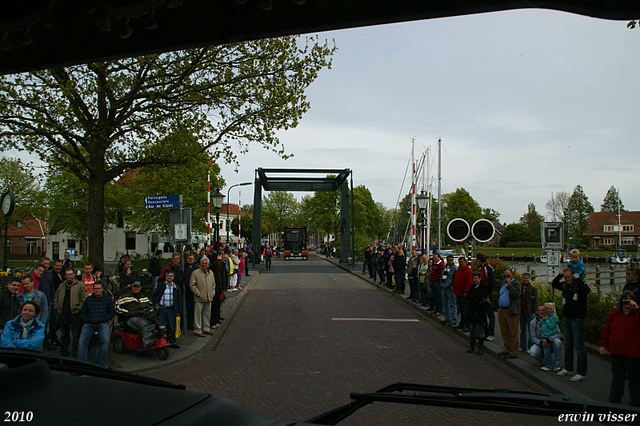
[[375, 319]]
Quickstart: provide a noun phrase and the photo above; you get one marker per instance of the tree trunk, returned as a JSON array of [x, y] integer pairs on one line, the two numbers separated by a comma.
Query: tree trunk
[[95, 230]]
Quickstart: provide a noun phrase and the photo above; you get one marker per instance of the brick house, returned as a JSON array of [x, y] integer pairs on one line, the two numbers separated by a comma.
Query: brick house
[[25, 240], [604, 229]]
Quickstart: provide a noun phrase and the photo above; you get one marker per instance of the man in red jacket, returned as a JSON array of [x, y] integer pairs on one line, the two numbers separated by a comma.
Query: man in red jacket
[[461, 285]]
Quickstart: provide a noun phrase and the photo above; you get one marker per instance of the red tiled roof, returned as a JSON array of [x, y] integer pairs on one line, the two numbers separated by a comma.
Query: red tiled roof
[[600, 219], [28, 228], [234, 210], [128, 177]]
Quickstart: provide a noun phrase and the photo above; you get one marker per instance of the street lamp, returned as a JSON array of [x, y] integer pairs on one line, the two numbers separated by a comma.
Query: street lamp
[[228, 191], [218, 198], [422, 200]]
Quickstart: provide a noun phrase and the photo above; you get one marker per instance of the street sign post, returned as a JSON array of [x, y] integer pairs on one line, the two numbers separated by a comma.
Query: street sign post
[[163, 201]]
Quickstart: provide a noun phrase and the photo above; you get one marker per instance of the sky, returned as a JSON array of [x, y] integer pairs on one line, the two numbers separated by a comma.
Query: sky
[[527, 103]]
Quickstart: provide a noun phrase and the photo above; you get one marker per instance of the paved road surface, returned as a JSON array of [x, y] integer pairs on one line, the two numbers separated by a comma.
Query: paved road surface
[[307, 334]]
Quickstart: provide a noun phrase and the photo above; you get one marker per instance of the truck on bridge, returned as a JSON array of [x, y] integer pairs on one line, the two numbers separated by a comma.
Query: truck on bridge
[[294, 243]]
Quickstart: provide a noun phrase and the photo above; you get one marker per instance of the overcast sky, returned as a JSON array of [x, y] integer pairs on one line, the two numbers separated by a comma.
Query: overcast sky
[[525, 102]]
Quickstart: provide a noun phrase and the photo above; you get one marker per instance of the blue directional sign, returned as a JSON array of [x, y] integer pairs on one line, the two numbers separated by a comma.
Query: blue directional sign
[[162, 201]]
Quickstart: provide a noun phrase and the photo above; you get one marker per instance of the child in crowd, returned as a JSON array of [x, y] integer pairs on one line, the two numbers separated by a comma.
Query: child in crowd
[[576, 264], [549, 329]]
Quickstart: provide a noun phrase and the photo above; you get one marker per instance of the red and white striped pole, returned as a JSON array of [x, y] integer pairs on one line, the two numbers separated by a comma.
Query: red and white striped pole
[[208, 205], [239, 217]]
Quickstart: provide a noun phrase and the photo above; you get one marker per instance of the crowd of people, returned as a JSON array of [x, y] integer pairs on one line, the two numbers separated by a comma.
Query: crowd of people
[[464, 299], [57, 307]]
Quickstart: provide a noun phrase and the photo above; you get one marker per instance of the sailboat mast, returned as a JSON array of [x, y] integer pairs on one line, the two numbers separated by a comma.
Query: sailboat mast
[[439, 194], [413, 195], [428, 191]]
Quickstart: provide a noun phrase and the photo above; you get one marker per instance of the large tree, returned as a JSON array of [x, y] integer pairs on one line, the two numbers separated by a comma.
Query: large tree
[[279, 209], [516, 233], [532, 220], [101, 119], [557, 206], [612, 201], [578, 215]]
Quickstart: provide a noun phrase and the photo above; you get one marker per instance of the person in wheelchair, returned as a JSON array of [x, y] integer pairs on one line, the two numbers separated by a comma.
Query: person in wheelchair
[[131, 308]]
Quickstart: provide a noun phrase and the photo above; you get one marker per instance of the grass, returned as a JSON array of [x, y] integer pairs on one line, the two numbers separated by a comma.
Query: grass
[[529, 251]]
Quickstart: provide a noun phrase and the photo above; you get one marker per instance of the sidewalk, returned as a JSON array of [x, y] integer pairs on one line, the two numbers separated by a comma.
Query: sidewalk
[[595, 387], [190, 344]]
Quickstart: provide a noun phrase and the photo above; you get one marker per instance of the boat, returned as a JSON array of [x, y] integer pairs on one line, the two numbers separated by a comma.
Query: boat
[[621, 257]]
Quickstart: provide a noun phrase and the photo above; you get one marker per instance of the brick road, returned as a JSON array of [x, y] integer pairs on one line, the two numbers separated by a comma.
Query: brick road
[[287, 355]]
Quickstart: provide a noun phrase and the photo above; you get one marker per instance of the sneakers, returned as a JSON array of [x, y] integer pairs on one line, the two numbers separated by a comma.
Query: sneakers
[[557, 368], [578, 378], [562, 372], [545, 369], [490, 338]]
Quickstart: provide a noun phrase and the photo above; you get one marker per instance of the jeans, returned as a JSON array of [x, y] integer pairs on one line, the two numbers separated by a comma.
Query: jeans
[[449, 304], [476, 330], [400, 279], [574, 336], [267, 262], [491, 316], [167, 317], [544, 354], [190, 301], [525, 333], [382, 274], [85, 338], [70, 324], [154, 283], [54, 319], [437, 296], [463, 307]]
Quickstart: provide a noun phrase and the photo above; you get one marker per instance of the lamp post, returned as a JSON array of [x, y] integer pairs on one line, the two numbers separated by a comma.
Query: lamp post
[[218, 198], [422, 205], [228, 194]]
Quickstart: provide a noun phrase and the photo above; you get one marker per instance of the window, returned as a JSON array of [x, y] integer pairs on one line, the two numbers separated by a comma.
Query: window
[[32, 246], [130, 240], [609, 228], [55, 249], [609, 241], [71, 244], [627, 228], [628, 241]]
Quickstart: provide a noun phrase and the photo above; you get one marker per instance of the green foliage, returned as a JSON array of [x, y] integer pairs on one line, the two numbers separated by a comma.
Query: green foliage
[[188, 179], [367, 216], [490, 214], [578, 214], [611, 200], [279, 208], [460, 204], [598, 308], [323, 209], [24, 183], [605, 247], [532, 220], [101, 119], [516, 232]]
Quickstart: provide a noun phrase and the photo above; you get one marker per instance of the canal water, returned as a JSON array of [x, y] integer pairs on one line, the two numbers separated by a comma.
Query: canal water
[[605, 268]]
